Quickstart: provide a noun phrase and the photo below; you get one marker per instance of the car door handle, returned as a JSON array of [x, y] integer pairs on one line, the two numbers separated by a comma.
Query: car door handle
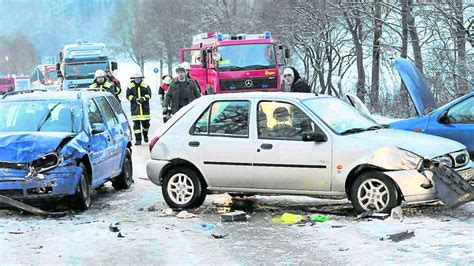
[[266, 146], [194, 143]]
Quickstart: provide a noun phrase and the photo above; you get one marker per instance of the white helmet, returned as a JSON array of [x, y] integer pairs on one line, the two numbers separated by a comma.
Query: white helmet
[[167, 80], [99, 73], [185, 65], [137, 74]]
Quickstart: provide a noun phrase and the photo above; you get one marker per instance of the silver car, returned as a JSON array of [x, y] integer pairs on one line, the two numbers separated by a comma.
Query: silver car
[[294, 144]]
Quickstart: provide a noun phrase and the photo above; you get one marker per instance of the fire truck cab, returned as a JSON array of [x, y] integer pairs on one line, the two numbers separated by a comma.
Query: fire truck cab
[[223, 63]]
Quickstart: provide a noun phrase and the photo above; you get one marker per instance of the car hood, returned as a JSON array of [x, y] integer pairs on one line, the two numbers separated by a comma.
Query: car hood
[[427, 146], [416, 85], [23, 147]]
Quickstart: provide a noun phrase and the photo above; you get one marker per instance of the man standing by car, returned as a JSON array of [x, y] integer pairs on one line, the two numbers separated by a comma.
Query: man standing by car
[[101, 83], [139, 95], [181, 92], [293, 81]]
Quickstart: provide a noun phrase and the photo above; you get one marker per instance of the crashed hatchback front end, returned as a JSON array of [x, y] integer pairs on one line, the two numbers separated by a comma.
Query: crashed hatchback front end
[[52, 174], [422, 180]]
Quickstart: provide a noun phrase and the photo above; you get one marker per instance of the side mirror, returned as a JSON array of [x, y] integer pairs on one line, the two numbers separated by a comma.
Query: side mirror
[[287, 53], [203, 58], [114, 66], [314, 137], [58, 66], [97, 128], [444, 118]]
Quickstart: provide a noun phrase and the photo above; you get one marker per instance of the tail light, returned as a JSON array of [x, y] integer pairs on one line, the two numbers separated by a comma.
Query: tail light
[[153, 141]]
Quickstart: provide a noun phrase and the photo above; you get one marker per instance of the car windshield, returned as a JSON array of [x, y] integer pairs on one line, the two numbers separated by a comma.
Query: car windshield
[[340, 117], [83, 70], [51, 116], [246, 57]]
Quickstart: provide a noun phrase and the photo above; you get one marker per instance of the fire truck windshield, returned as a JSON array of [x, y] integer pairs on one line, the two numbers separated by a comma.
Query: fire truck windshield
[[246, 57], [83, 70]]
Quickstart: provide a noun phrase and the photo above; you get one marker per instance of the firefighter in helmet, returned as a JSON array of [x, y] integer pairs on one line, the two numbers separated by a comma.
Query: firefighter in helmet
[[139, 95], [100, 82]]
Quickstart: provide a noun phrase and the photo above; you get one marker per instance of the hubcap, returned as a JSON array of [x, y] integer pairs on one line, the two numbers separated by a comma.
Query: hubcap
[[373, 194], [180, 188]]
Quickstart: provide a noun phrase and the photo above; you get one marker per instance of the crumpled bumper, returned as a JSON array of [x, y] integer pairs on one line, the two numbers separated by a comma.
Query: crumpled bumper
[[61, 181]]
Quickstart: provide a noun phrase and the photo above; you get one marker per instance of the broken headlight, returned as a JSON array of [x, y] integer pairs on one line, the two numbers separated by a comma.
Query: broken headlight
[[445, 159], [44, 163]]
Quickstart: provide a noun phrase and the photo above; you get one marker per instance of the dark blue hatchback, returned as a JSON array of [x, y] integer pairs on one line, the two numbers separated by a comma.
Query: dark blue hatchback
[[57, 144]]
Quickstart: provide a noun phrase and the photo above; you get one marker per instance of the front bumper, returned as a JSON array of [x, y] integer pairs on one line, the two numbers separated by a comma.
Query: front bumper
[[154, 170], [61, 181]]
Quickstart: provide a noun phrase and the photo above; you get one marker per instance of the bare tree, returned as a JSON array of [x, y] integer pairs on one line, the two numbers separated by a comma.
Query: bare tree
[[17, 54]]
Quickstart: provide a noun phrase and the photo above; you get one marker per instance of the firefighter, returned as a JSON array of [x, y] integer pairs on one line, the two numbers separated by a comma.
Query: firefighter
[[118, 88], [139, 95], [187, 68], [100, 82], [164, 86]]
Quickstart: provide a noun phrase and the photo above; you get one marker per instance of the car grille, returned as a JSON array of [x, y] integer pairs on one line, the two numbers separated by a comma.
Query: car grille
[[11, 193], [248, 84], [18, 166]]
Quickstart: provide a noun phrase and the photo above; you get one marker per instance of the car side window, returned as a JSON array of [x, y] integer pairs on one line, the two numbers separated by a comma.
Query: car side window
[[116, 106], [94, 113], [284, 121], [230, 118], [109, 115], [463, 112]]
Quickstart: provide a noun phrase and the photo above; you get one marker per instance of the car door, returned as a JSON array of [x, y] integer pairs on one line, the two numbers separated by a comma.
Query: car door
[[282, 160], [98, 145], [220, 144], [114, 148], [456, 123]]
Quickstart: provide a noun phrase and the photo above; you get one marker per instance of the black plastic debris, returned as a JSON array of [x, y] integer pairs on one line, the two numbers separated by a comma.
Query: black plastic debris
[[30, 209], [453, 189], [114, 227], [400, 236], [120, 235], [236, 216], [219, 236], [371, 214]]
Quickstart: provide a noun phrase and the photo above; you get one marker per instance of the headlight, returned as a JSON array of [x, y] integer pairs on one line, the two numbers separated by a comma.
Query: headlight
[[445, 159], [43, 164]]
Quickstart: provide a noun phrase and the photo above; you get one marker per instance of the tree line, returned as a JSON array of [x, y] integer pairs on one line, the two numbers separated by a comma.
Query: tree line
[[341, 46]]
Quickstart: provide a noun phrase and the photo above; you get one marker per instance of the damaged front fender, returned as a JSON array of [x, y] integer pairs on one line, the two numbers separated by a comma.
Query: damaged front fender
[[421, 179]]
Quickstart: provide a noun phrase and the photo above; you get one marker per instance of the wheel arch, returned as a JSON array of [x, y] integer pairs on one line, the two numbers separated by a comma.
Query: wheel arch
[[182, 162], [87, 163]]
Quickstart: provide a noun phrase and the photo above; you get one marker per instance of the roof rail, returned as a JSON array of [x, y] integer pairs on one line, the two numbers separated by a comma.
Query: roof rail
[[21, 92]]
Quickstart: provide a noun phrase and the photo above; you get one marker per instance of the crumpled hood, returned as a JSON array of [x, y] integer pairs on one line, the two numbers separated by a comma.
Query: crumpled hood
[[23, 147], [427, 146], [416, 85]]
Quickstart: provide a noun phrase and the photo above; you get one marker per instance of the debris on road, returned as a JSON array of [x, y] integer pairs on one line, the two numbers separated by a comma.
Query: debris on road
[[219, 236], [120, 235], [397, 213], [113, 227], [288, 218], [319, 218], [205, 227], [223, 203], [371, 214], [185, 215], [236, 216], [167, 212], [30, 209], [343, 249], [400, 236]]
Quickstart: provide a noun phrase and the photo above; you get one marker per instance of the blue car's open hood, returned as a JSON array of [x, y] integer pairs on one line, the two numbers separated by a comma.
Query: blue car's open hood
[[416, 85], [23, 147]]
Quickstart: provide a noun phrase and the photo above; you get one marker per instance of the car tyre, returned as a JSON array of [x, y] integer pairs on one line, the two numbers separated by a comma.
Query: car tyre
[[183, 189], [374, 190], [125, 179], [81, 201]]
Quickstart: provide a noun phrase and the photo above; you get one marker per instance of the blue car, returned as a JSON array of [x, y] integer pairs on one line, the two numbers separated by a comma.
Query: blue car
[[454, 120], [62, 145]]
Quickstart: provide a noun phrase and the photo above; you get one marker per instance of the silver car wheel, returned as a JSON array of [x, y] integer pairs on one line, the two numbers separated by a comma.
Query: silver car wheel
[[373, 194], [180, 188]]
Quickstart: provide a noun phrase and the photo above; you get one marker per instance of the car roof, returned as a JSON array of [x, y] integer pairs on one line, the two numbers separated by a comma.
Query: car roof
[[53, 95], [266, 95]]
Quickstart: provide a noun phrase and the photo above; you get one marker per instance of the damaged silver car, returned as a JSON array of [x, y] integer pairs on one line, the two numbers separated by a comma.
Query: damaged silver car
[[301, 144]]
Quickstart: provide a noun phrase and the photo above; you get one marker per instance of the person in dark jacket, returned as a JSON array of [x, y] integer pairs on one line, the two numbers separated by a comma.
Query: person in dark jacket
[[100, 82], [293, 81], [139, 95], [181, 92], [118, 88]]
